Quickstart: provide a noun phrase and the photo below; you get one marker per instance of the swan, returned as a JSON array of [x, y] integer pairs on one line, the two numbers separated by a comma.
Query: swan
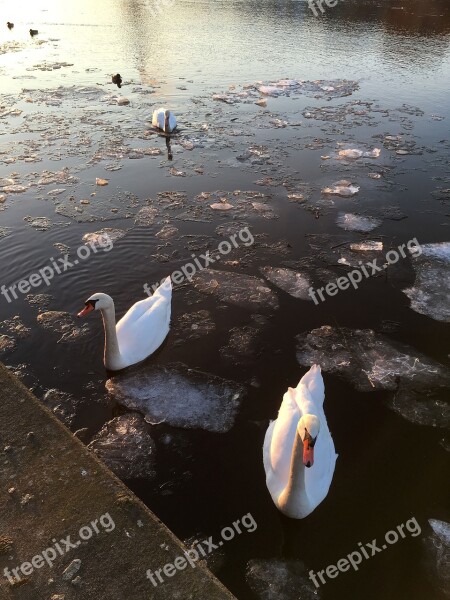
[[299, 454], [164, 120], [139, 332]]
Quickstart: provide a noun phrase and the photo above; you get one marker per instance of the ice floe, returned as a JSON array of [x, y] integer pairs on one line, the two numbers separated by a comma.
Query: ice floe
[[370, 361], [234, 288], [126, 446], [342, 187], [179, 396], [430, 294], [438, 556], [277, 579], [64, 323], [354, 222], [294, 283]]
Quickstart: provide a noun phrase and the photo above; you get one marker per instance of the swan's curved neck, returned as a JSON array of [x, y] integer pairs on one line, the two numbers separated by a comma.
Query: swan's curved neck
[[112, 356], [293, 499]]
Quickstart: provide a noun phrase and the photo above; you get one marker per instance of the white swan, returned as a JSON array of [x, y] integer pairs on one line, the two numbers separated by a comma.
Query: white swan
[[299, 454], [164, 119], [139, 332]]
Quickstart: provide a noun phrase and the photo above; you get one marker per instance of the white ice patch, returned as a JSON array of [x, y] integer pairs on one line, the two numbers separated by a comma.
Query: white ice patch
[[430, 294], [353, 222], [438, 559], [367, 246], [179, 396], [276, 579], [294, 283], [342, 188]]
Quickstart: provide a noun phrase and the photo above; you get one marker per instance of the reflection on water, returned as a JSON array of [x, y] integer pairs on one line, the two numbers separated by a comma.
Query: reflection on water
[[371, 109]]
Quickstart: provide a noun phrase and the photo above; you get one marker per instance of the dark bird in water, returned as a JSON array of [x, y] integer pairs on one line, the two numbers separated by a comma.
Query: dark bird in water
[[10, 25], [33, 32], [117, 79]]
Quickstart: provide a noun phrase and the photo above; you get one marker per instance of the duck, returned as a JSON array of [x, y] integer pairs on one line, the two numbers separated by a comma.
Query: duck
[[117, 79], [33, 32], [9, 25], [164, 119], [299, 454], [139, 333]]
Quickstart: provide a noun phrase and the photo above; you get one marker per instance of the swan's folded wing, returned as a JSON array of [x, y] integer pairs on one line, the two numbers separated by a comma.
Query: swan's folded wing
[[139, 337], [283, 436]]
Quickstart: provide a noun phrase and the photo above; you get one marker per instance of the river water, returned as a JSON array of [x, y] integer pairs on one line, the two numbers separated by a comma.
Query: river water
[[370, 76]]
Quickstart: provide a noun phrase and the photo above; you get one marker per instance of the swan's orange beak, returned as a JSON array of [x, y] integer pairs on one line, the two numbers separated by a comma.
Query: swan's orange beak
[[308, 453], [86, 310]]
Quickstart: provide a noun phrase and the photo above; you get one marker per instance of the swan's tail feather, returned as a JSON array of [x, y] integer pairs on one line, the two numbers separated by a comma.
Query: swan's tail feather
[[165, 289], [313, 380]]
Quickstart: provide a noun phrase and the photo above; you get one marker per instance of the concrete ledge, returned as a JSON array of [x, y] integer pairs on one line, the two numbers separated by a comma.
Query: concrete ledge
[[52, 487]]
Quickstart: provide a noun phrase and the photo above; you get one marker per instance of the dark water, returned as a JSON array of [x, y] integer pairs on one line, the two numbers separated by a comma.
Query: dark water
[[389, 470]]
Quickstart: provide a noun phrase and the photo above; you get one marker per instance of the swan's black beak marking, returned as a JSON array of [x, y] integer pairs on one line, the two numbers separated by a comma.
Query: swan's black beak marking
[[89, 306]]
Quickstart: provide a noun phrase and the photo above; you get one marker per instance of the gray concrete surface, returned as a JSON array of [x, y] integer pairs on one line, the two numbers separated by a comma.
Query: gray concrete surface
[[51, 487]]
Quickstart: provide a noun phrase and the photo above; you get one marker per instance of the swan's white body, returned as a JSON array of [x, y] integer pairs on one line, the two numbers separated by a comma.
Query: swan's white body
[[159, 120], [296, 489], [139, 332]]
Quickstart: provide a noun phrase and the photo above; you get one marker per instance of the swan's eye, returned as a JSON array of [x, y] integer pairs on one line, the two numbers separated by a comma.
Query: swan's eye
[[91, 303]]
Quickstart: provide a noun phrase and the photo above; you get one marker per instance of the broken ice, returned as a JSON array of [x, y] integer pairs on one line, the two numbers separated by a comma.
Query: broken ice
[[126, 446], [179, 396], [353, 222], [294, 283], [373, 362], [430, 294], [242, 290]]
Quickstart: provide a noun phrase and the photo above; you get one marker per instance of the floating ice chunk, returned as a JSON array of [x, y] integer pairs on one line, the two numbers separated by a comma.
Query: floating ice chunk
[[242, 344], [62, 404], [126, 446], [234, 288], [146, 216], [269, 90], [7, 343], [370, 361], [15, 189], [276, 579], [98, 237], [353, 222], [422, 406], [122, 101], [438, 560], [341, 188], [166, 232], [294, 283], [42, 301], [355, 153], [430, 293], [192, 326], [179, 396], [221, 206], [351, 153], [62, 322], [367, 246]]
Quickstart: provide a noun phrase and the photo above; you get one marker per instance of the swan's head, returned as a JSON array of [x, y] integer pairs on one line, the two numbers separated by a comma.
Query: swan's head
[[96, 302], [308, 429]]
